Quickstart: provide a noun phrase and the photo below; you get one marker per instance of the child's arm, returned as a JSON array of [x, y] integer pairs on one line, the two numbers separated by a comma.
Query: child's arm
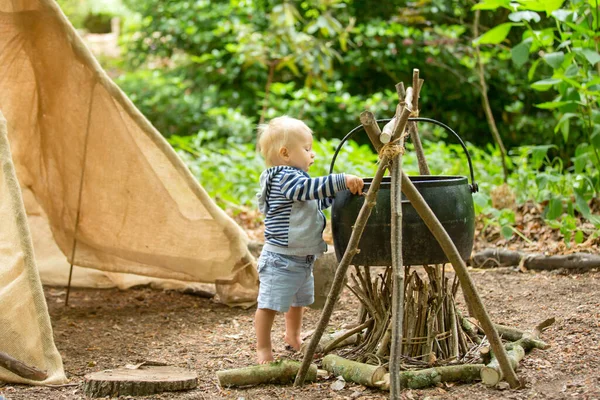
[[353, 183], [296, 186]]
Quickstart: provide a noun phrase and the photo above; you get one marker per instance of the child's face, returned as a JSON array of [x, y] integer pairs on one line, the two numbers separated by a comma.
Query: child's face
[[299, 153]]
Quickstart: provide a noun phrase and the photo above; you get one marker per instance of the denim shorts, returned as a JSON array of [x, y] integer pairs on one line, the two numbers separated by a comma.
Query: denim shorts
[[285, 281]]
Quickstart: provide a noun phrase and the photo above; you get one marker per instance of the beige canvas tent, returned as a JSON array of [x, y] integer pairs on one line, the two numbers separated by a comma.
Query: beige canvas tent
[[103, 189]]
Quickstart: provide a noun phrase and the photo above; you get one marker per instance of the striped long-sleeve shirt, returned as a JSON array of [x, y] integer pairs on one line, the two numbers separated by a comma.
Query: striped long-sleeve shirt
[[292, 202]]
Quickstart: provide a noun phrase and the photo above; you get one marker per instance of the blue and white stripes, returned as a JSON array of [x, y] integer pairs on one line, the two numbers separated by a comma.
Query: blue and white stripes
[[284, 185]]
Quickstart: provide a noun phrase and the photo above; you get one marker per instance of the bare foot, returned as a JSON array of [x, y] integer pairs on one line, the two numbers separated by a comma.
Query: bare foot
[[293, 342], [264, 356]]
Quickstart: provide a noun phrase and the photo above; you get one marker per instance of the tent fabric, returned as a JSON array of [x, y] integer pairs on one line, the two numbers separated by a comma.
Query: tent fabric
[[25, 330], [113, 194], [100, 171]]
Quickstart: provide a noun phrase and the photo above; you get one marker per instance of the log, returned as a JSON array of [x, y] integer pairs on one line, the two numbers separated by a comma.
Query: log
[[20, 368], [352, 371], [146, 380], [424, 378], [491, 374], [278, 372], [489, 258]]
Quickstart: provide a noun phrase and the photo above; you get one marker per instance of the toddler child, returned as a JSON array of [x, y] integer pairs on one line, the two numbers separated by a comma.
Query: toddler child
[[292, 202]]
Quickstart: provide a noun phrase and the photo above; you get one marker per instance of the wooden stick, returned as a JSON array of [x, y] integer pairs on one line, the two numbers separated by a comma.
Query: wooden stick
[[351, 251], [460, 269], [340, 274], [367, 119], [20, 368], [491, 375], [398, 274], [335, 343], [412, 126]]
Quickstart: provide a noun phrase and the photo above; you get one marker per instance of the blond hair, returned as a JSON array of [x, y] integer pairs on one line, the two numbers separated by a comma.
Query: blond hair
[[278, 133]]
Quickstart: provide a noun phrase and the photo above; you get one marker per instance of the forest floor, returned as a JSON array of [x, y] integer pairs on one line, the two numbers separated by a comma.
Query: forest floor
[[106, 329]]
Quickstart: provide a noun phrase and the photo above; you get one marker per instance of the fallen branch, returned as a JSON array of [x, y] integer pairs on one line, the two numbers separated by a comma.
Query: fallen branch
[[346, 338], [420, 379], [490, 258], [337, 339], [20, 368], [352, 371], [279, 372], [491, 373]]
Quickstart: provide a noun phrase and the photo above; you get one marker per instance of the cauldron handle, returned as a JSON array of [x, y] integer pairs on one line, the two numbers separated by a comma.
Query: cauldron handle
[[473, 185]]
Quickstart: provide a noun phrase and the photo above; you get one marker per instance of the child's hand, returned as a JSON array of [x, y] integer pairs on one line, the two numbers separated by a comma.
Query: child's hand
[[354, 184]]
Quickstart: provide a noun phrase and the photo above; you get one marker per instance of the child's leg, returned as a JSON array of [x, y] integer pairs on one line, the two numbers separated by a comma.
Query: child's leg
[[263, 322], [293, 325]]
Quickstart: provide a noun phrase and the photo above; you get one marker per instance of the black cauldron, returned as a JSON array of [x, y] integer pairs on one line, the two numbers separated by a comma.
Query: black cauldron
[[449, 197]]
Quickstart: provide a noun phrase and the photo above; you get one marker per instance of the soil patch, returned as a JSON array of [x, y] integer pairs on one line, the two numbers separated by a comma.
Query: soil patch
[[105, 329]]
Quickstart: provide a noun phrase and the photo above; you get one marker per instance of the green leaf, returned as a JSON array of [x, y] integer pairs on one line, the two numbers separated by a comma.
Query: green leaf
[[554, 209], [550, 105], [565, 131], [533, 68], [578, 237], [552, 5], [541, 5], [592, 56], [491, 5], [555, 60], [582, 205], [545, 84], [572, 71], [564, 120], [495, 35], [595, 139], [524, 15], [507, 231], [520, 53]]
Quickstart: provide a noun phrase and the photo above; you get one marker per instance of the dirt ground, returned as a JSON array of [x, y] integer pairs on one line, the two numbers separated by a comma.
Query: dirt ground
[[106, 329]]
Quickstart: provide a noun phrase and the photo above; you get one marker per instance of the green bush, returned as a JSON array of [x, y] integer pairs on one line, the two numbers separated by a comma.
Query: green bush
[[98, 23]]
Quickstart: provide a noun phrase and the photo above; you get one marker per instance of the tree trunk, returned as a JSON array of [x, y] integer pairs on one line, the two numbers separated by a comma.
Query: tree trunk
[[486, 102], [352, 371], [139, 382], [279, 372]]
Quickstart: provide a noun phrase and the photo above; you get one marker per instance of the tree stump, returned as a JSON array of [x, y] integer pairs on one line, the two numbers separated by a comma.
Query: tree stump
[[145, 380]]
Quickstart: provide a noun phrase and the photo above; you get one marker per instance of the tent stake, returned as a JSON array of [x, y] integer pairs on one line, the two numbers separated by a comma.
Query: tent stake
[[76, 228]]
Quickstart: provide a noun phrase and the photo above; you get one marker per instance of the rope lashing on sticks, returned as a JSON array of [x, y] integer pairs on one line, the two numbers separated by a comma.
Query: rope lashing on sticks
[[393, 148]]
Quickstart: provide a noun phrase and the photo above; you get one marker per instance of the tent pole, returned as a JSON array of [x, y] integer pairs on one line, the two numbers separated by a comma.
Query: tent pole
[[75, 230]]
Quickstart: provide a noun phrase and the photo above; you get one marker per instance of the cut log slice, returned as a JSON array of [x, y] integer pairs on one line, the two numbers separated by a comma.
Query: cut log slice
[[145, 380]]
